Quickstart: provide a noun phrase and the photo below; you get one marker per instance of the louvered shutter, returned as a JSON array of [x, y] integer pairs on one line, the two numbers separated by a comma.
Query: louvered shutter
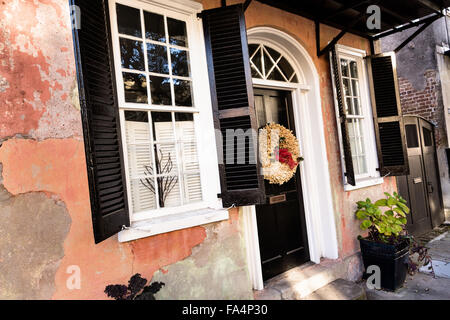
[[233, 104], [387, 113], [101, 127], [343, 123]]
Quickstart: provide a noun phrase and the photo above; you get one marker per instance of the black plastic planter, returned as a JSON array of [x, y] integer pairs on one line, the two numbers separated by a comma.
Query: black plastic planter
[[392, 260]]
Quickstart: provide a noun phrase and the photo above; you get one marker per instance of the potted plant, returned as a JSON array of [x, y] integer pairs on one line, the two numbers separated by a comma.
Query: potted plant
[[387, 243]]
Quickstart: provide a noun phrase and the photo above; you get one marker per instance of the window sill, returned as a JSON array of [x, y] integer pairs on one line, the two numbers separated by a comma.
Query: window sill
[[172, 222], [364, 183]]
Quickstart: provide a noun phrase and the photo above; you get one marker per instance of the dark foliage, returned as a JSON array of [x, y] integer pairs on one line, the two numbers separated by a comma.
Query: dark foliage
[[418, 257], [136, 289]]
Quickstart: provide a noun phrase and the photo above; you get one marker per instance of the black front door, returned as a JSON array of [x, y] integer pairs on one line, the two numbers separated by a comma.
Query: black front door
[[281, 223], [421, 188]]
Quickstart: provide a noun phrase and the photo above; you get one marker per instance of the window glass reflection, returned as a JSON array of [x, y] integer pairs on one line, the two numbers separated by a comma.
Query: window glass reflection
[[132, 54], [157, 58], [160, 90], [135, 86]]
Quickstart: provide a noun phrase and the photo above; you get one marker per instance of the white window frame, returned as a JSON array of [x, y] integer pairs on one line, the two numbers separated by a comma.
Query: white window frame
[[210, 209], [372, 177]]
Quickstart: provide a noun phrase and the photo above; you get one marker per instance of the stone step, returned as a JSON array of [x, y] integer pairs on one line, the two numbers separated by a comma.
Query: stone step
[[339, 289], [303, 280]]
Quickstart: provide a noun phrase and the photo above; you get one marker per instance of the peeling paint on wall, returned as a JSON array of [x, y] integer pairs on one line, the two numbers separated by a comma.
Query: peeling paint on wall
[[33, 94], [217, 269], [32, 235]]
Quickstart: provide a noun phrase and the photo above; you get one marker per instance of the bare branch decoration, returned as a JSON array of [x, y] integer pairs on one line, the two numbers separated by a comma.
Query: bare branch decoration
[[165, 183]]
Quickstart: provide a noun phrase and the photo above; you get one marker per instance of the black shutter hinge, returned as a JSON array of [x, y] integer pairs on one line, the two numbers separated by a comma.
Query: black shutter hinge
[[199, 15], [219, 195]]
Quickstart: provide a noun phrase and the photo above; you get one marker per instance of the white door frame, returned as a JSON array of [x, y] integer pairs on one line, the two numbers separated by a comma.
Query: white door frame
[[315, 177]]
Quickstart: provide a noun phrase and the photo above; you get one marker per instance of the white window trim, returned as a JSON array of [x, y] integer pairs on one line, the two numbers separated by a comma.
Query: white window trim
[[373, 177], [144, 224]]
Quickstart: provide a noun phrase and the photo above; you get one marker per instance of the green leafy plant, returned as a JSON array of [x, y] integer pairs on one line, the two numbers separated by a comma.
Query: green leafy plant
[[385, 219]]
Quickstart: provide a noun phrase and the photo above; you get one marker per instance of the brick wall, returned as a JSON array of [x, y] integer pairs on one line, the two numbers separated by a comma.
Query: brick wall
[[424, 103]]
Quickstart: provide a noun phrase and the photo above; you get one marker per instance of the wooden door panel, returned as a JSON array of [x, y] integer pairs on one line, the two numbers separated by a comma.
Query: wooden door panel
[[431, 171], [416, 183], [422, 187], [281, 228]]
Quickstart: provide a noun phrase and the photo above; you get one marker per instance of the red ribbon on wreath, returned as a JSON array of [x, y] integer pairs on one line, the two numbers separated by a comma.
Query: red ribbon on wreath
[[284, 156]]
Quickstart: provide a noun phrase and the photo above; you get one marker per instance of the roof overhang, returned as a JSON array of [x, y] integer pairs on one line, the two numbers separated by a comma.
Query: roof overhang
[[351, 15]]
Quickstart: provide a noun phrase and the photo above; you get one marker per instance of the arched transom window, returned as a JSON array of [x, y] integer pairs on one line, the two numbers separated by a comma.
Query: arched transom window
[[269, 64]]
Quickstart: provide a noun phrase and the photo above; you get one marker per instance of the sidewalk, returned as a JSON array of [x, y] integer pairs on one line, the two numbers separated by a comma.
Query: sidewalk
[[423, 285], [418, 287]]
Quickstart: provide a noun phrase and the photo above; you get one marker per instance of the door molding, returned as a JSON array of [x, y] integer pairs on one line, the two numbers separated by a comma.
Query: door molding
[[314, 171]]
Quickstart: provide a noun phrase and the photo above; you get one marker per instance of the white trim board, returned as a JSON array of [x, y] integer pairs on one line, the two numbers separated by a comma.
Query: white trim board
[[314, 171]]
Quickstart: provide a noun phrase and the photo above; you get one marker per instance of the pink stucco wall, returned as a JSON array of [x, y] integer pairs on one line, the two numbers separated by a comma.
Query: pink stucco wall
[[42, 151]]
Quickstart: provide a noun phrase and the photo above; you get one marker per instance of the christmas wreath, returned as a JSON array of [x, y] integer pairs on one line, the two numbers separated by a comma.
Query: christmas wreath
[[279, 153]]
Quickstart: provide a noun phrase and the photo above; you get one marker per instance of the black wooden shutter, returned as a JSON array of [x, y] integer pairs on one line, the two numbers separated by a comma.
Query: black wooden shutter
[[337, 77], [100, 117], [387, 113], [233, 104]]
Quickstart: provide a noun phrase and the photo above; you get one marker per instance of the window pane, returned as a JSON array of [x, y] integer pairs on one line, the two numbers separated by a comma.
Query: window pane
[[157, 58], [193, 188], [180, 62], [346, 85], [143, 194], [355, 88], [140, 161], [294, 79], [411, 136], [132, 54], [357, 106], [275, 75], [353, 69], [344, 67], [268, 64], [162, 126], [189, 157], [362, 165], [274, 54], [160, 90], [177, 32], [170, 192], [183, 93], [168, 183], [135, 86], [351, 128], [353, 146], [252, 48], [137, 116], [129, 20], [154, 27], [349, 106], [285, 67], [188, 142], [427, 137], [257, 61], [166, 157]]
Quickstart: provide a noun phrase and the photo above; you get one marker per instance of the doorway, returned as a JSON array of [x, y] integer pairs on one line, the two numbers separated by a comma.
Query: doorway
[[281, 220], [421, 188], [304, 91]]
